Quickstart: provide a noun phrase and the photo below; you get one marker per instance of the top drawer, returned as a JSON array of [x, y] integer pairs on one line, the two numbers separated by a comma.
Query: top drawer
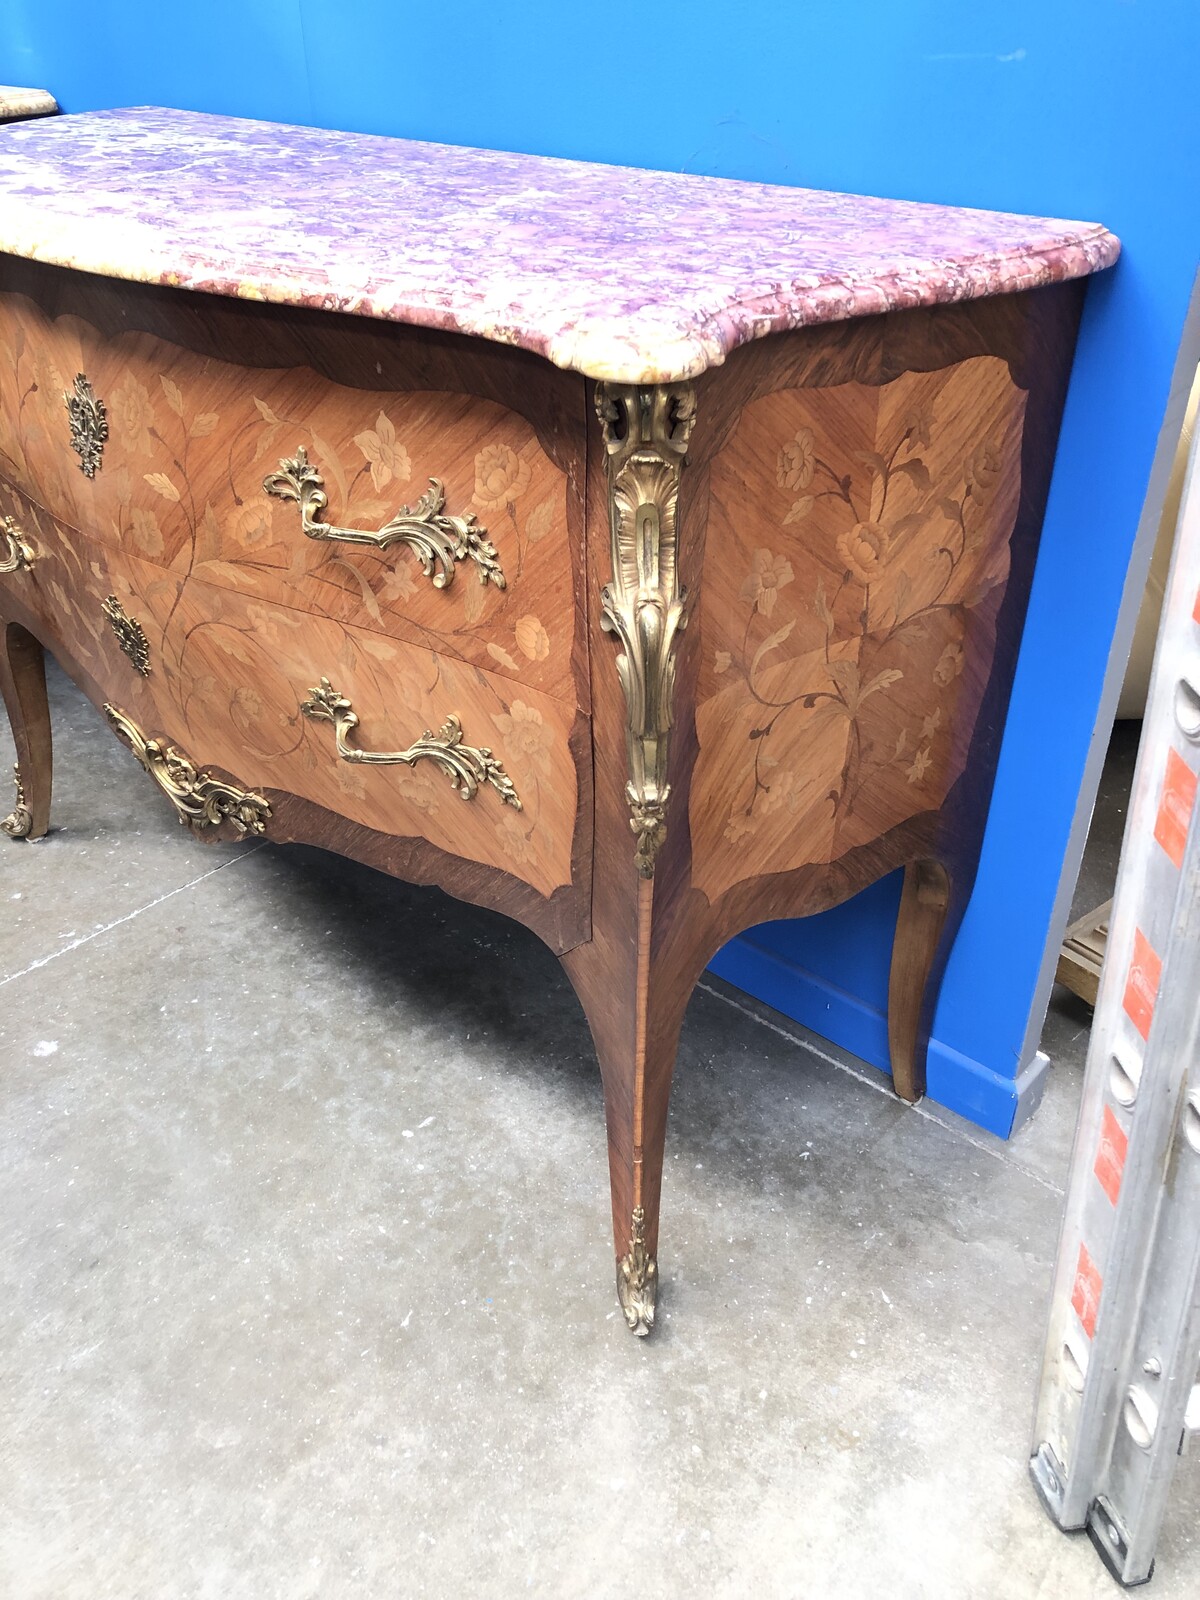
[[180, 480]]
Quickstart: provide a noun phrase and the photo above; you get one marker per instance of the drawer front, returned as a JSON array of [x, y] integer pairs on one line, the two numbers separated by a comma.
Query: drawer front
[[227, 677], [180, 480]]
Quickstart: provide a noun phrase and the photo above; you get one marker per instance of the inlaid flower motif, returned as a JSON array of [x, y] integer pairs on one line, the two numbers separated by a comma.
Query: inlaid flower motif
[[982, 471], [949, 664], [722, 661], [272, 625], [526, 734], [147, 534], [797, 461], [398, 585], [387, 456], [351, 779], [918, 427], [920, 765], [511, 834], [769, 574], [500, 477], [132, 415], [417, 788], [245, 708], [781, 791], [739, 825], [532, 639], [864, 550], [251, 523]]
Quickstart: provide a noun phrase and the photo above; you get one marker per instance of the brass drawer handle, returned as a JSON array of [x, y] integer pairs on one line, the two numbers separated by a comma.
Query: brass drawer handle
[[465, 765], [201, 800], [16, 552], [439, 540]]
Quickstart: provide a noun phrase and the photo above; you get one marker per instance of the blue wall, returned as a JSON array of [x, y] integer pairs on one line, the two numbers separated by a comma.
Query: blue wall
[[1072, 109]]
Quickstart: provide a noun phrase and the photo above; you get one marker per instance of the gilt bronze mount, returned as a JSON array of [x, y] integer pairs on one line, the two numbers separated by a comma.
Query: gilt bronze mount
[[646, 432], [16, 552], [467, 766], [202, 800], [637, 1279], [131, 636], [19, 822], [89, 425], [438, 539]]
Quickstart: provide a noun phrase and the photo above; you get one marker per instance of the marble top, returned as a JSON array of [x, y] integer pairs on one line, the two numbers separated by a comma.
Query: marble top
[[633, 276], [16, 102]]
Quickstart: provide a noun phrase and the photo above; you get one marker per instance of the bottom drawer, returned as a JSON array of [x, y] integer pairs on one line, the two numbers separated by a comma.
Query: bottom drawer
[[267, 694]]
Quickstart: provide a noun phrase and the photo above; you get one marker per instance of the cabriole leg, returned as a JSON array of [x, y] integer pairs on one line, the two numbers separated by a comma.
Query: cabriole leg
[[23, 684], [637, 1037], [923, 906]]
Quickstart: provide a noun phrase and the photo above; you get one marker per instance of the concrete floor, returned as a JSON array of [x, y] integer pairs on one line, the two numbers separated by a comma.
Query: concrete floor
[[307, 1286]]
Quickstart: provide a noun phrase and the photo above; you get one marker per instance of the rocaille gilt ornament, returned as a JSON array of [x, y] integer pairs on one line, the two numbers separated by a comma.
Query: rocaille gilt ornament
[[202, 800], [18, 824], [89, 425], [16, 552], [438, 539], [637, 1279], [466, 766], [646, 432], [130, 634]]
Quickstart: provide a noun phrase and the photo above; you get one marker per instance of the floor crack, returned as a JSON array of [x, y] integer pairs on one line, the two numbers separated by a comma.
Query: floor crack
[[96, 933]]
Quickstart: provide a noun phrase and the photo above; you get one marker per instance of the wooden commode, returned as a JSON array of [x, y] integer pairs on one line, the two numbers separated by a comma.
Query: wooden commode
[[643, 556]]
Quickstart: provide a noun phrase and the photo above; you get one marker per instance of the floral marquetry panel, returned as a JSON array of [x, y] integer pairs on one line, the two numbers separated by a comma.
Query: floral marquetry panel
[[858, 550], [228, 676], [191, 441], [235, 672]]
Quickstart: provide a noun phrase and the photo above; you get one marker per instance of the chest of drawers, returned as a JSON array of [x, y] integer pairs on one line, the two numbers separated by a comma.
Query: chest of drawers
[[642, 556]]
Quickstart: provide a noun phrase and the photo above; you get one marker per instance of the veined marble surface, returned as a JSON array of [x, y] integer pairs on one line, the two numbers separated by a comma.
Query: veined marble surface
[[633, 276], [16, 102]]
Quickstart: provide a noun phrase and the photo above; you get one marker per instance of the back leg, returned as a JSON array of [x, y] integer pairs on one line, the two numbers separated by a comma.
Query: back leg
[[23, 684], [924, 904]]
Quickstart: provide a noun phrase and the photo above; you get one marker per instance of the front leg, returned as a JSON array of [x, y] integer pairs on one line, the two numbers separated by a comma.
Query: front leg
[[634, 1000], [633, 1005], [23, 684]]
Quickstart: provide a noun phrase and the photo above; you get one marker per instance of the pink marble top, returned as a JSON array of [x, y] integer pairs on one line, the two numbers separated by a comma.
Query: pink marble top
[[638, 277], [16, 102]]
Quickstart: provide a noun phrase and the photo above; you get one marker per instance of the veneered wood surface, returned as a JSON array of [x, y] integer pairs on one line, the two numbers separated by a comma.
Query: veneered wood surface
[[192, 438], [856, 559], [228, 675], [924, 903], [1023, 341], [635, 949], [23, 686]]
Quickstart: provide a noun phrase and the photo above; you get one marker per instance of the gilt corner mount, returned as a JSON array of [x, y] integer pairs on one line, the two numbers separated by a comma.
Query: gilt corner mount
[[646, 431]]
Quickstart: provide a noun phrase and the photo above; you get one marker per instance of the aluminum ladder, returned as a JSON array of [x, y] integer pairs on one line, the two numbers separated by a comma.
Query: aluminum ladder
[[1118, 1394]]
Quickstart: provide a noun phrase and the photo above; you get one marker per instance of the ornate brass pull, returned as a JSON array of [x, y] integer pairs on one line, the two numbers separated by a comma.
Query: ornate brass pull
[[16, 552], [201, 800], [439, 540], [465, 765]]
